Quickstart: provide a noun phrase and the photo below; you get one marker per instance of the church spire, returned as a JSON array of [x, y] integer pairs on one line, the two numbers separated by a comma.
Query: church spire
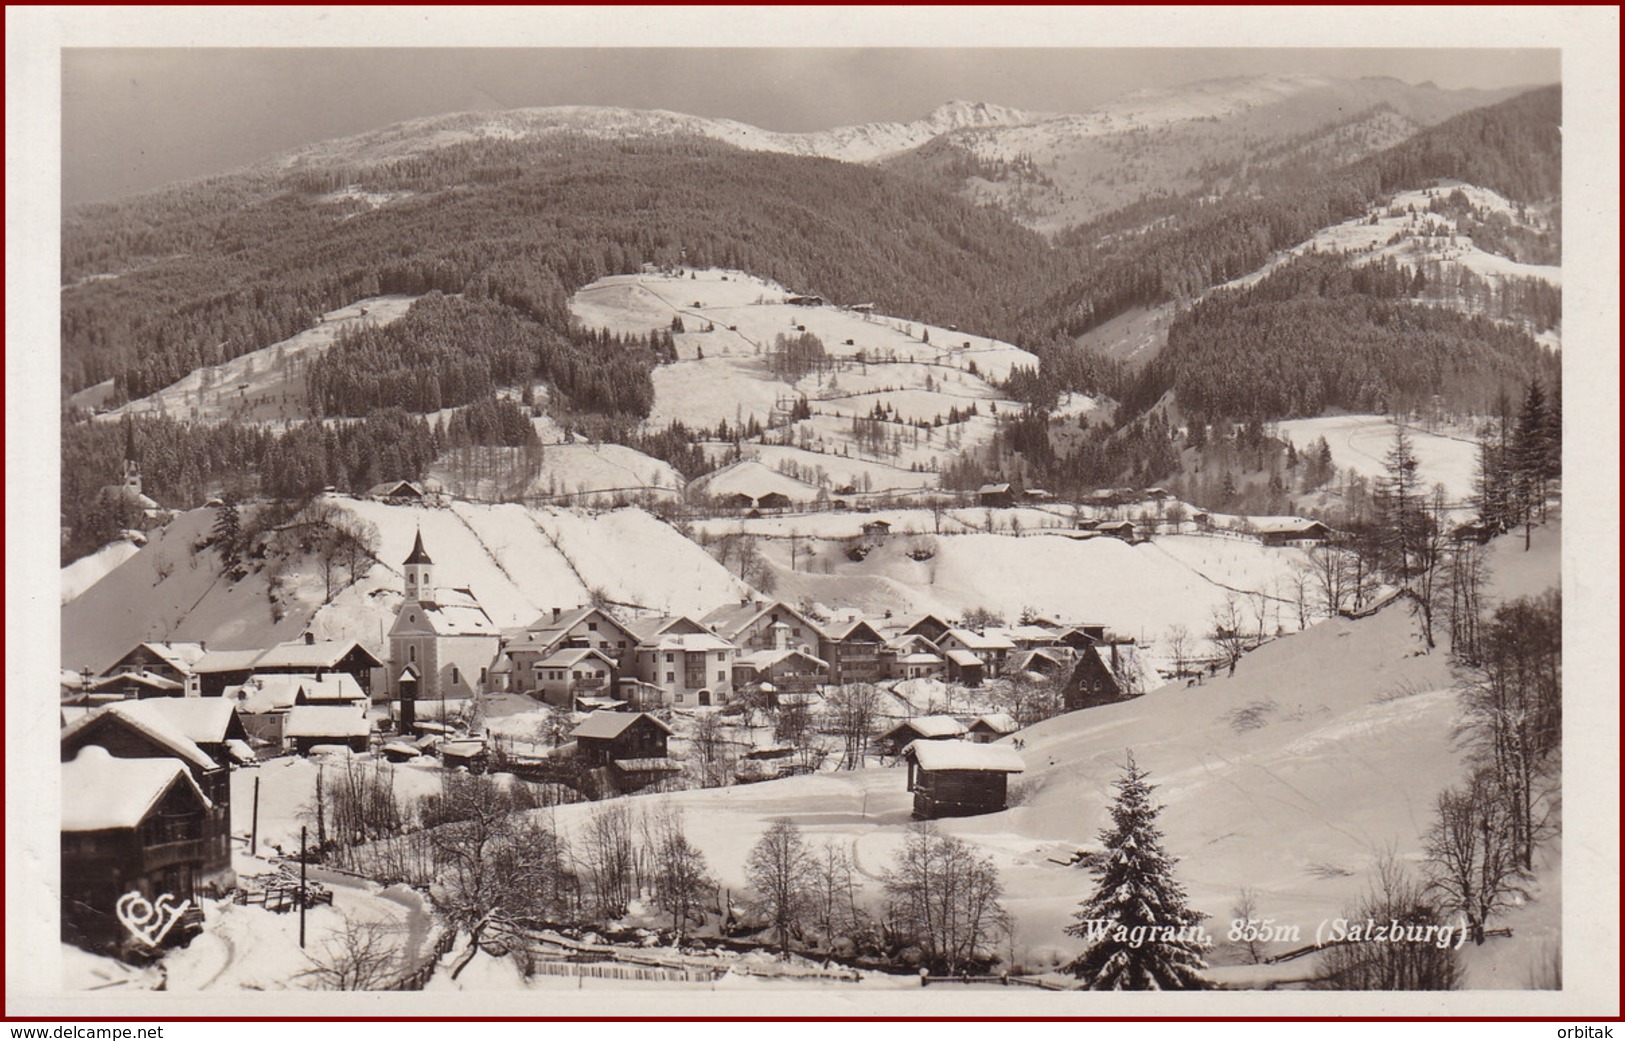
[[419, 556]]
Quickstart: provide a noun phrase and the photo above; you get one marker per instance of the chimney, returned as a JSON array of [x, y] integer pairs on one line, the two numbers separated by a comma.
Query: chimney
[[203, 645], [310, 638], [555, 614]]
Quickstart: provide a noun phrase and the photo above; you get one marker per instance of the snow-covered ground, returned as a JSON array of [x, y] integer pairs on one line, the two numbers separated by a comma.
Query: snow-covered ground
[[582, 473], [1361, 444], [264, 386], [92, 568], [519, 561]]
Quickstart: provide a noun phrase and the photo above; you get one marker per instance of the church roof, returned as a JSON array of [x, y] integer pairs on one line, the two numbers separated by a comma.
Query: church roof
[[419, 556]]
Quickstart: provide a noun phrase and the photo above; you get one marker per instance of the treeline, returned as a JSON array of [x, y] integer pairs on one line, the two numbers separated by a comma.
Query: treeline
[[1186, 245], [1321, 333], [182, 464], [522, 223], [450, 351]]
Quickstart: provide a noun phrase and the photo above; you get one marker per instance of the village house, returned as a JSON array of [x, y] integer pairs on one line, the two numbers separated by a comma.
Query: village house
[[312, 725], [681, 662], [779, 671], [1291, 531], [575, 674], [1045, 662], [171, 660], [591, 627], [123, 685], [1103, 674], [853, 652], [143, 730], [991, 648], [965, 668], [760, 625], [930, 626], [131, 825], [401, 493], [216, 670], [1118, 529], [992, 726], [920, 728], [442, 644], [631, 744], [959, 778]]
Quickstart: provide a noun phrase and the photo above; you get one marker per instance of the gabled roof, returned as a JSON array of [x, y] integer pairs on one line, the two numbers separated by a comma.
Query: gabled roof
[[120, 680], [929, 727], [691, 642], [998, 722], [1284, 525], [646, 628], [993, 489], [100, 792], [323, 654], [963, 658], [769, 658], [327, 721], [732, 619], [150, 722], [965, 755], [177, 655], [335, 686], [855, 627], [992, 640], [565, 657], [210, 721], [268, 692], [610, 725], [394, 489], [455, 612], [540, 629], [227, 661]]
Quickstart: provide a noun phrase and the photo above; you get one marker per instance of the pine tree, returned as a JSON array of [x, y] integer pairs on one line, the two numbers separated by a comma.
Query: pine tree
[[1400, 519], [228, 539], [1142, 935]]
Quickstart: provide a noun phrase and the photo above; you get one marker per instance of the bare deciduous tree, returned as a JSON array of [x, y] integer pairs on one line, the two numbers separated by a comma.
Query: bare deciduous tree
[[1472, 860], [359, 956], [945, 899], [782, 874], [854, 714]]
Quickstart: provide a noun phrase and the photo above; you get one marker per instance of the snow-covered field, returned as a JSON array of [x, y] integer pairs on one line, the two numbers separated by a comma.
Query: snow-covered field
[[1361, 444], [264, 386]]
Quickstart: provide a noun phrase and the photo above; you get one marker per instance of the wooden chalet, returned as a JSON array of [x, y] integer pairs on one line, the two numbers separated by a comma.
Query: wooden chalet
[[782, 670], [1291, 531], [930, 626], [217, 670], [131, 825], [143, 730], [167, 660], [919, 728], [853, 652], [997, 496], [632, 745], [959, 778], [992, 726], [965, 667]]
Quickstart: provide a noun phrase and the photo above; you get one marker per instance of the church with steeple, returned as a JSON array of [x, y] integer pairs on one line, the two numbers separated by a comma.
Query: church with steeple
[[443, 644]]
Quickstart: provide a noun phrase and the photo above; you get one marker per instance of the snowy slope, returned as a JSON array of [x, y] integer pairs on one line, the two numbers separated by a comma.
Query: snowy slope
[[574, 473], [93, 567], [1361, 443], [518, 561]]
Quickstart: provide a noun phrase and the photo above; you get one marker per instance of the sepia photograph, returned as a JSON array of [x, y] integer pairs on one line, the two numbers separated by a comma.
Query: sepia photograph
[[574, 520]]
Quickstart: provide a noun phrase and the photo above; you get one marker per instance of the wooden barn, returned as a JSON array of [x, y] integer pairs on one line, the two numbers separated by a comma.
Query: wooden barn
[[959, 778], [308, 726], [604, 737], [130, 826], [993, 726], [998, 495]]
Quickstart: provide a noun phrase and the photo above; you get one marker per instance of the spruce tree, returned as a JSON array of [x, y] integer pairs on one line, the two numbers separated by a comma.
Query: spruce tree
[[1141, 934]]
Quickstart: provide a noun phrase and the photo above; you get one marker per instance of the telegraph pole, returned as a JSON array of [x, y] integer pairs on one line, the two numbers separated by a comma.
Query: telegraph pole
[[254, 828], [304, 891]]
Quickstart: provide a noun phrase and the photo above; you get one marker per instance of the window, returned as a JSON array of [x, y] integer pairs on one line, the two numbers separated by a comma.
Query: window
[[722, 656], [592, 626], [796, 631], [482, 674], [412, 653], [722, 677], [454, 674], [620, 645], [670, 657], [671, 677]]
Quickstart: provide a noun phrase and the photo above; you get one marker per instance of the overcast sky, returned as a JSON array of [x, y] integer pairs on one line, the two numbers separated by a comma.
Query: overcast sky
[[135, 118]]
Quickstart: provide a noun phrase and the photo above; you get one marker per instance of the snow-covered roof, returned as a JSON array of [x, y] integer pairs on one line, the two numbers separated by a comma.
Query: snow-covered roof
[[546, 628], [992, 640], [268, 692], [965, 755], [335, 686], [993, 489], [178, 655], [227, 661], [1282, 525], [930, 726], [327, 721], [119, 680], [100, 792], [922, 658], [964, 658], [202, 720], [568, 656], [656, 765], [732, 619], [693, 642], [754, 480], [770, 658], [1025, 633], [998, 722], [610, 725], [845, 630], [455, 612], [322, 654], [147, 719]]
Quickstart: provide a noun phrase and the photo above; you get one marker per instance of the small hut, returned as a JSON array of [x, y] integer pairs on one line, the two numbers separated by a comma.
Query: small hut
[[959, 778]]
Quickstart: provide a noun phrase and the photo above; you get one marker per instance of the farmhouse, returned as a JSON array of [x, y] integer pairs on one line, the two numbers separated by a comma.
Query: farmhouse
[[931, 627], [122, 685], [1290, 531], [631, 744], [171, 661], [997, 496], [142, 730], [992, 648], [920, 728], [1120, 529], [783, 670], [137, 826], [217, 670], [853, 651], [959, 778], [572, 673], [965, 667]]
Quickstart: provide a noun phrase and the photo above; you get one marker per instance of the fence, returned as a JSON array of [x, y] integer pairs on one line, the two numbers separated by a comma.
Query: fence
[[418, 978], [1024, 981], [618, 971]]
